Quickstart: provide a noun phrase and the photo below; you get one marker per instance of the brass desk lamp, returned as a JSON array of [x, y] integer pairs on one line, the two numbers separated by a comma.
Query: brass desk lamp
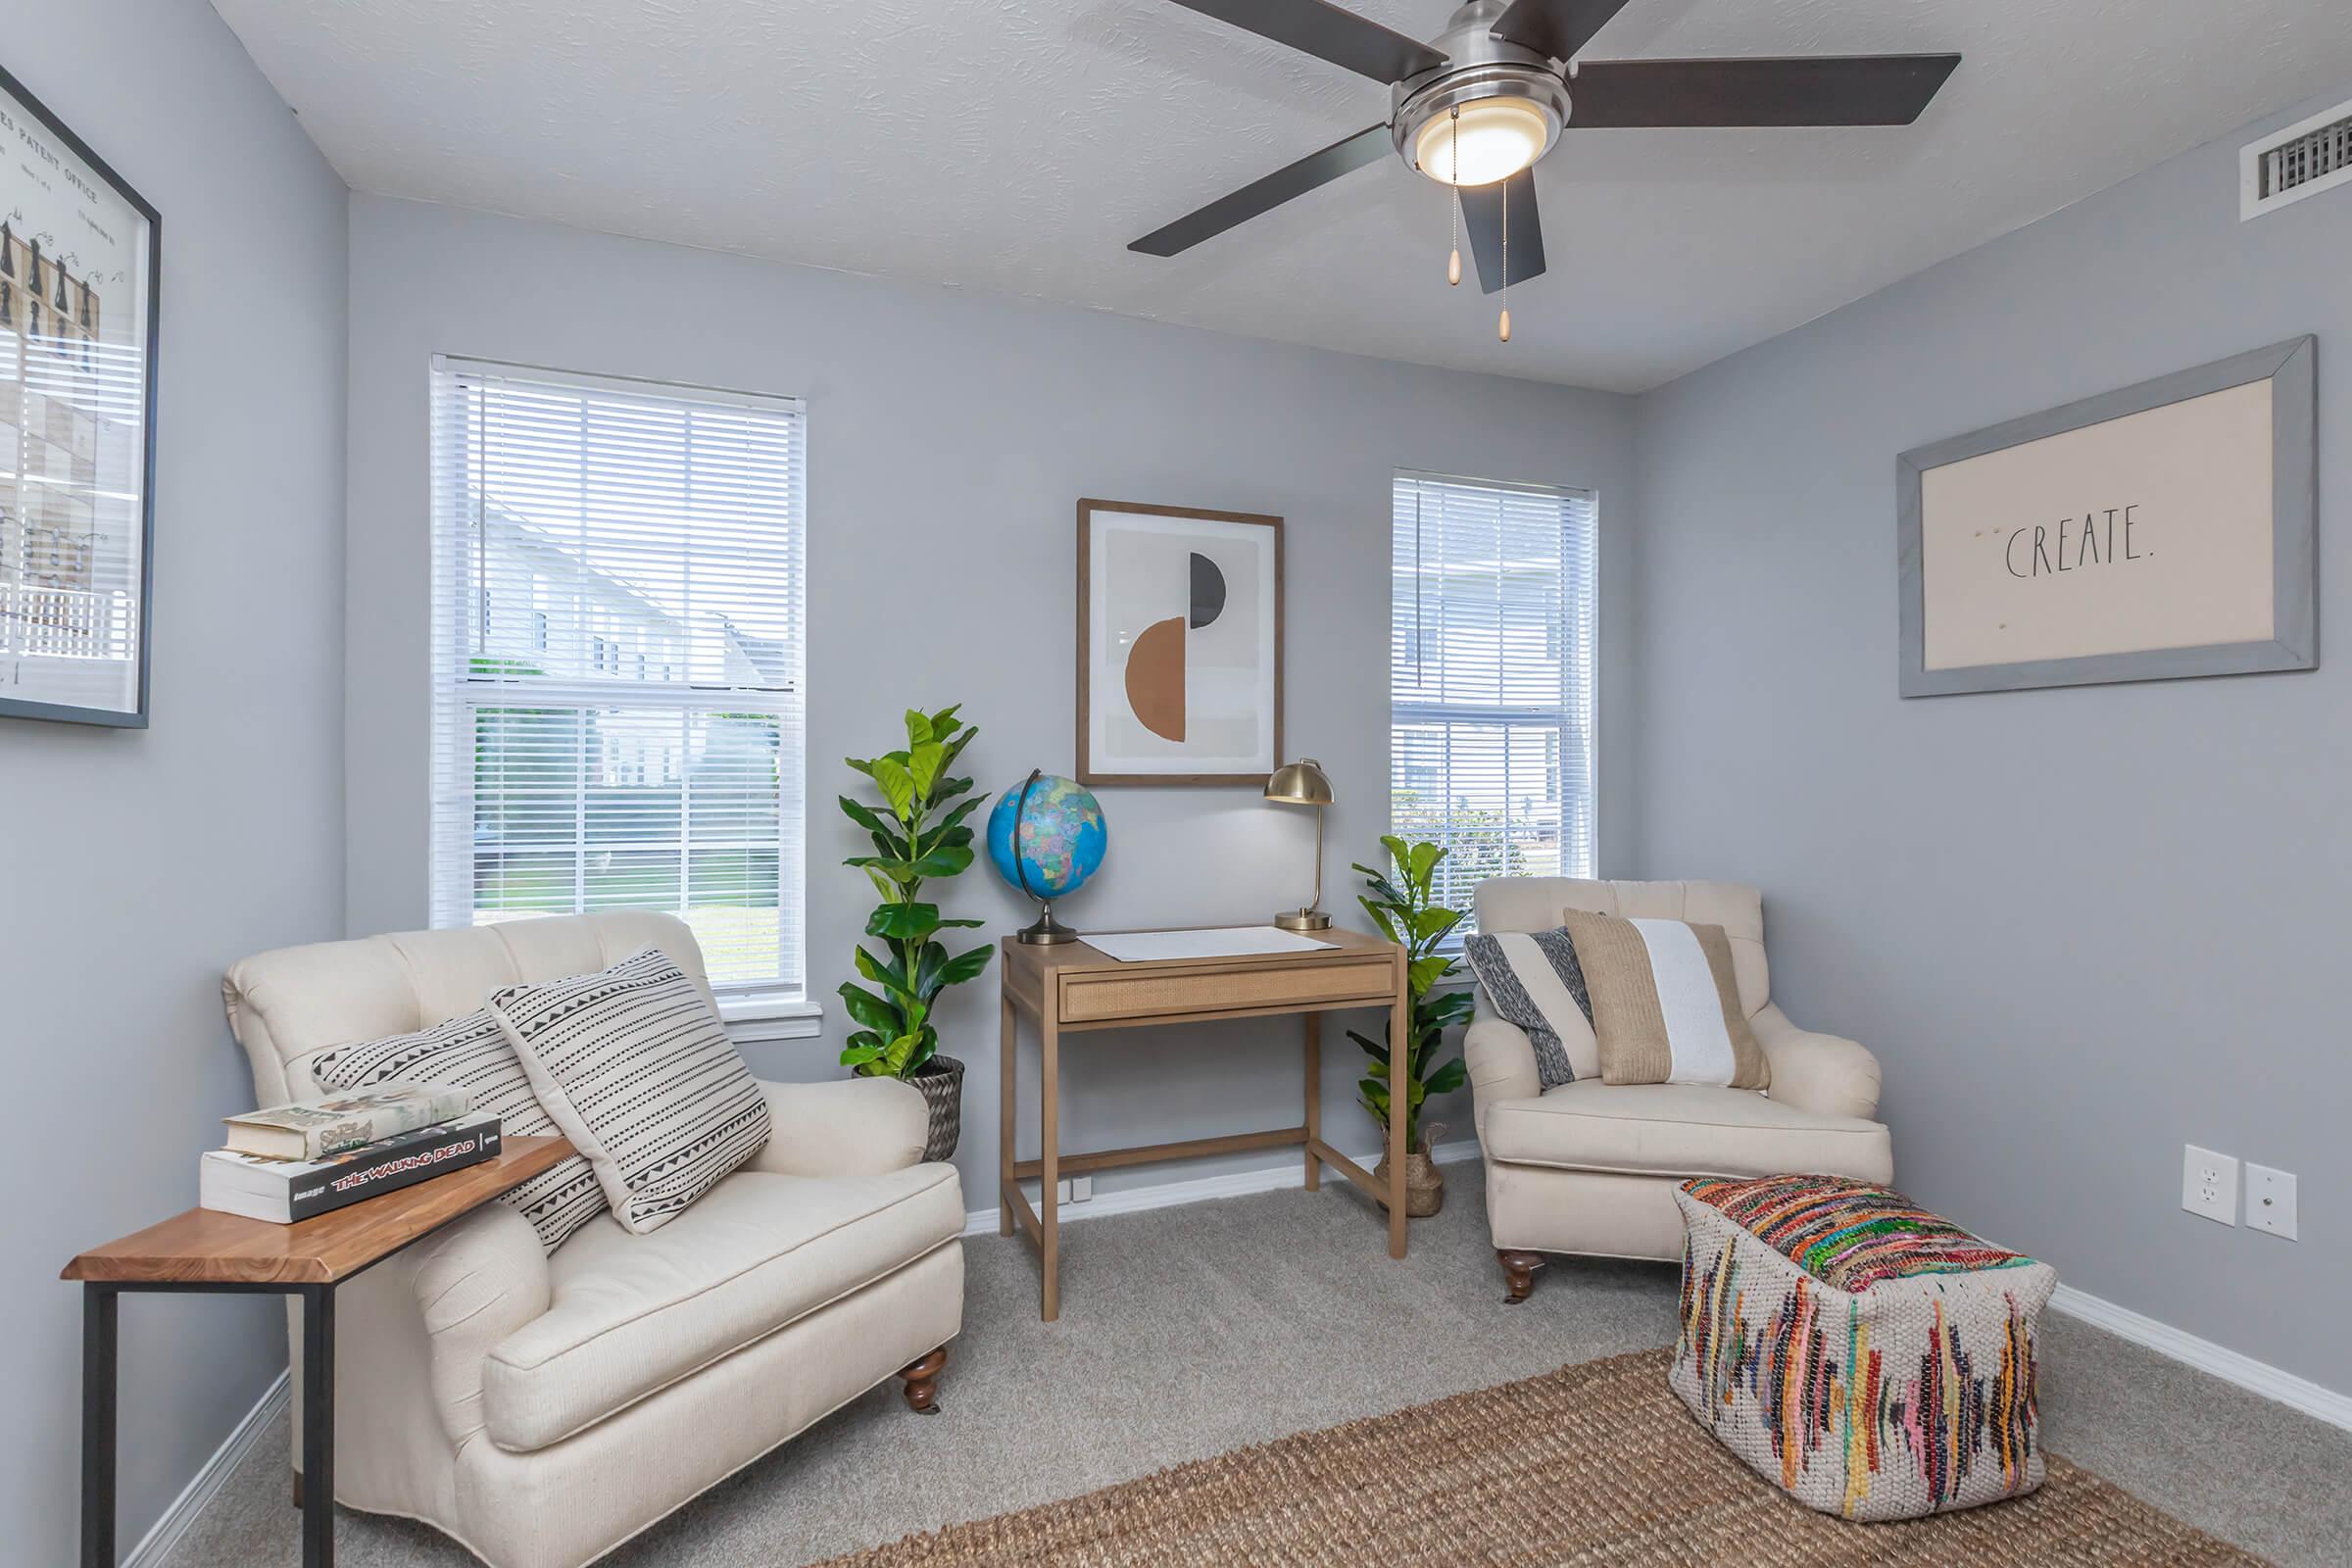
[[1301, 783]]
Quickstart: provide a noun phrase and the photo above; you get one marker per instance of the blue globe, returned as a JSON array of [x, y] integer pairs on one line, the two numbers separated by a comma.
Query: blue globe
[[1060, 832]]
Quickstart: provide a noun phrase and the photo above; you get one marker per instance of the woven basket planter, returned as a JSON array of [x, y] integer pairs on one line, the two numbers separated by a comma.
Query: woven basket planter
[[1890, 1376], [941, 1079]]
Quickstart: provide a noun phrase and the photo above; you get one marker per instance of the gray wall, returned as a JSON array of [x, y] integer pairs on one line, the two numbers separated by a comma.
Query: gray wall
[[950, 436], [2080, 927], [138, 865]]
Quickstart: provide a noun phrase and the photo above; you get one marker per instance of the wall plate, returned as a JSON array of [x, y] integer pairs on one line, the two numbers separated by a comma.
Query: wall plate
[[2270, 1201], [2209, 1184]]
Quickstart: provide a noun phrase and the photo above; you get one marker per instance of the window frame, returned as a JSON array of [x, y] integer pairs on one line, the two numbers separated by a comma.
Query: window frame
[[1562, 715], [767, 1008]]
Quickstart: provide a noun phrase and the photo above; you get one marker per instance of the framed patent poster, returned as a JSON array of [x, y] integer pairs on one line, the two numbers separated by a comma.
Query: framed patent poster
[[77, 335], [2165, 530]]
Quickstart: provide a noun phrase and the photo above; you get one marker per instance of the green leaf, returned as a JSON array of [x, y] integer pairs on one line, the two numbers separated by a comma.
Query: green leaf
[[919, 729], [948, 859], [1425, 862], [862, 764], [901, 872], [945, 720], [1444, 1009], [1400, 852], [882, 885], [869, 1010], [898, 1056], [952, 787], [898, 786], [1379, 917], [1422, 974], [1377, 1052], [865, 817], [1447, 1079], [965, 966], [1431, 924], [904, 922], [922, 765], [1376, 1097], [888, 974], [966, 925]]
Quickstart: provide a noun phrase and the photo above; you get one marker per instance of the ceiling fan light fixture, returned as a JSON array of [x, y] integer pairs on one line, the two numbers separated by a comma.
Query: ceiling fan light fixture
[[1492, 139]]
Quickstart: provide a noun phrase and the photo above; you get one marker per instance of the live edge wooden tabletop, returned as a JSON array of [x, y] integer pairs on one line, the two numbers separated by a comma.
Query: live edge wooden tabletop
[[206, 1246]]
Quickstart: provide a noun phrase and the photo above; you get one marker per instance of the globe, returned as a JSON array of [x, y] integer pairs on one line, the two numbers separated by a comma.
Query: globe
[[1046, 836]]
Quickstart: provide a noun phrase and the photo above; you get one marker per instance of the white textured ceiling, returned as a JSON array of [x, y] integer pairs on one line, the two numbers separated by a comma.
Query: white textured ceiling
[[1017, 145]]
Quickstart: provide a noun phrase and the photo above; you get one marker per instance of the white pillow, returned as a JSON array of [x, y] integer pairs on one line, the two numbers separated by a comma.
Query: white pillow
[[472, 1053], [634, 1066]]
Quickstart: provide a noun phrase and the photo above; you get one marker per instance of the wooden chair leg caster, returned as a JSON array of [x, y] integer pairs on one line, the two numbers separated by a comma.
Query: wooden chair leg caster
[[1519, 1272], [922, 1382], [297, 1488]]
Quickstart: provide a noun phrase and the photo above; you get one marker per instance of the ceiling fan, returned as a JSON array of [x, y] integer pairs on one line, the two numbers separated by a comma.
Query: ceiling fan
[[1479, 104]]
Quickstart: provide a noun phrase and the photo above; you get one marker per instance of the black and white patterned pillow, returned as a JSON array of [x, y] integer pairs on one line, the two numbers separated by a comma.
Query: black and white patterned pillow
[[1533, 980], [472, 1053], [634, 1066]]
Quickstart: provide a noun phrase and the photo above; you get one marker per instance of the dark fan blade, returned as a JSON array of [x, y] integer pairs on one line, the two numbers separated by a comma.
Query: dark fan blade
[[1558, 27], [1828, 90], [1320, 29], [1482, 215], [1264, 195]]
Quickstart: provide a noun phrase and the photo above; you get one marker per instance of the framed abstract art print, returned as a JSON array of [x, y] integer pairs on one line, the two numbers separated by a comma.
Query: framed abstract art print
[[78, 331], [1179, 645]]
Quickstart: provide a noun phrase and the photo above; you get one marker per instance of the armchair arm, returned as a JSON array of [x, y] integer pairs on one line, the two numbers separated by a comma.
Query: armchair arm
[[848, 1127], [1503, 1065], [1821, 1073], [476, 1282]]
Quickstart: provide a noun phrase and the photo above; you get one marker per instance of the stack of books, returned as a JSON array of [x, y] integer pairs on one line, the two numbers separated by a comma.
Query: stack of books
[[292, 1162]]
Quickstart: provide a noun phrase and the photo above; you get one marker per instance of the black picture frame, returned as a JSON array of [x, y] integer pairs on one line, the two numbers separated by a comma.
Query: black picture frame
[[15, 100]]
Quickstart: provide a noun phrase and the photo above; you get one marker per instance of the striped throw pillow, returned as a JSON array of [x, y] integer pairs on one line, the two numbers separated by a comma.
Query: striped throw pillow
[[1531, 979], [1665, 1002], [634, 1066], [471, 1054]]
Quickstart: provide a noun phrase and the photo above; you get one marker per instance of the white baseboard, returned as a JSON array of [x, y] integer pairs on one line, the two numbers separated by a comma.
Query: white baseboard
[[1200, 1189], [155, 1547], [2231, 1366]]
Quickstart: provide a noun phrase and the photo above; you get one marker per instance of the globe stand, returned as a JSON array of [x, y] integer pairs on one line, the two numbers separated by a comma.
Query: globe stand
[[1047, 932]]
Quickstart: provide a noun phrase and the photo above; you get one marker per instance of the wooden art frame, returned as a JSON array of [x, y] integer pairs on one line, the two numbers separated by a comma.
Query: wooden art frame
[[2213, 446], [1104, 757]]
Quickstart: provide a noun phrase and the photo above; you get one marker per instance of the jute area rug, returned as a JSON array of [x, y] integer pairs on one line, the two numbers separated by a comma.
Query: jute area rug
[[1592, 1465]]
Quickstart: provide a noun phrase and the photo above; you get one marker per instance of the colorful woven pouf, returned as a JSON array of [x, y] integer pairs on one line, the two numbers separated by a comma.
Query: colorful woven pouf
[[1866, 1356]]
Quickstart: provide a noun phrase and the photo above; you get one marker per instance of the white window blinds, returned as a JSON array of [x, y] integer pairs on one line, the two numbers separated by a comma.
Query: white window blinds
[[617, 669], [1491, 678]]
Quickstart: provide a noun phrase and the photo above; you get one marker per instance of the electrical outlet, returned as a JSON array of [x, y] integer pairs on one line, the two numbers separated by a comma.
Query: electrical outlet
[[2209, 1184], [1073, 1189], [2271, 1199]]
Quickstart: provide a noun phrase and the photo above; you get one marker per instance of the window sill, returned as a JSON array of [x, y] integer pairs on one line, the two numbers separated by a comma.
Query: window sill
[[751, 1019]]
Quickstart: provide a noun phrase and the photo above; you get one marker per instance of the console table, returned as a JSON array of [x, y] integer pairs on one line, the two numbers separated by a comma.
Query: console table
[[1070, 987], [204, 1250]]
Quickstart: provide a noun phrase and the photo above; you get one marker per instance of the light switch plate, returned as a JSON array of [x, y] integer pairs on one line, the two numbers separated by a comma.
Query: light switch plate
[[2209, 1184], [2271, 1199]]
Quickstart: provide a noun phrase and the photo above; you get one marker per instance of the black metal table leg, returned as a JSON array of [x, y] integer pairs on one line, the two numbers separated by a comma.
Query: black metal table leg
[[318, 1426], [99, 1304]]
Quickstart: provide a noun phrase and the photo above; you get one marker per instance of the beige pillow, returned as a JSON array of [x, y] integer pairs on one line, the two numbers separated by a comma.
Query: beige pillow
[[1665, 1002]]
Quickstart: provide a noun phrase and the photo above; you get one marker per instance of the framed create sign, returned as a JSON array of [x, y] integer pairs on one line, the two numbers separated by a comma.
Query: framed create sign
[[78, 331], [1179, 645], [2164, 530]]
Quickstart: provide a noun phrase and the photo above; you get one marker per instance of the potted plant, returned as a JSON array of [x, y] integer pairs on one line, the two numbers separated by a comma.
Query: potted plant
[[1407, 913], [914, 842]]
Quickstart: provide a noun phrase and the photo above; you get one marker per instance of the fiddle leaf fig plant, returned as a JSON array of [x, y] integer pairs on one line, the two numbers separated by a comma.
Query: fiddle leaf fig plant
[[917, 836], [1404, 910]]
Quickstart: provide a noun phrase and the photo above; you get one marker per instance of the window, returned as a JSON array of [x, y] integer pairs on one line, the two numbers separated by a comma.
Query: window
[[1491, 655], [575, 519]]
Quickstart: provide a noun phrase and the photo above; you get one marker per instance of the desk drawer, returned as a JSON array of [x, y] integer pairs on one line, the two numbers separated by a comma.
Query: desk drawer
[[1090, 998]]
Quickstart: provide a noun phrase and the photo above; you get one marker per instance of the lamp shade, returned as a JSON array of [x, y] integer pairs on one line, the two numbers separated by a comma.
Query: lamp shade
[[1299, 783]]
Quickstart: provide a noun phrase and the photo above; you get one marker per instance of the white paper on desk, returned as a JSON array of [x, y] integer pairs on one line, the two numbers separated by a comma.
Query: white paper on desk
[[1230, 942]]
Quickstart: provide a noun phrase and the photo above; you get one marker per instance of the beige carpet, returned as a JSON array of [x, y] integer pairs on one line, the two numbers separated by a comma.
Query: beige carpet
[[1596, 1463]]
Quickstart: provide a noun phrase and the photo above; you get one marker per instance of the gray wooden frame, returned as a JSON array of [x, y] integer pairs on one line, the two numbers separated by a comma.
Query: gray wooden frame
[[2294, 534]]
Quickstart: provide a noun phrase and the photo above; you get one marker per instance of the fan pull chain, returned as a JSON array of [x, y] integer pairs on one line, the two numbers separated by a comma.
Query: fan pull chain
[[1504, 328], [1453, 261]]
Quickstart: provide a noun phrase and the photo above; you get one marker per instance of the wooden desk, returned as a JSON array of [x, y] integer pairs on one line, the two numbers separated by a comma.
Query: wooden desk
[[1073, 987], [204, 1250]]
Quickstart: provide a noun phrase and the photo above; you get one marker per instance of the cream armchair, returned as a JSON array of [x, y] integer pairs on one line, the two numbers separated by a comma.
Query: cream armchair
[[1590, 1167], [544, 1407]]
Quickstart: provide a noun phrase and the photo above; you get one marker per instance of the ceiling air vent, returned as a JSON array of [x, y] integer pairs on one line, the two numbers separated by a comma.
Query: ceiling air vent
[[2303, 160]]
